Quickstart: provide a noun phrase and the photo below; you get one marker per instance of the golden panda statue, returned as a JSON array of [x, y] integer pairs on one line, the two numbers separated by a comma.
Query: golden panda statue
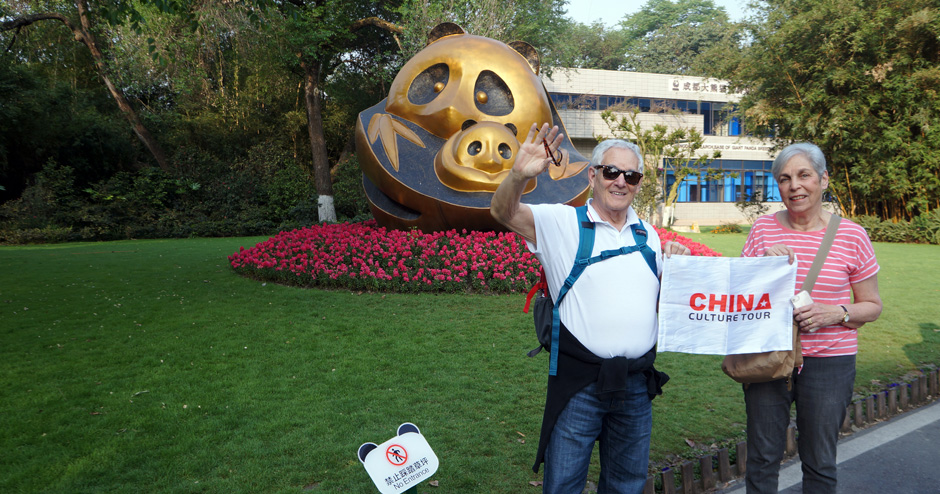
[[434, 151]]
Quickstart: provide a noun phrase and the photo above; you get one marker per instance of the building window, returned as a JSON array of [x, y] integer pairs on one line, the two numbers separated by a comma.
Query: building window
[[742, 179], [718, 117], [561, 101]]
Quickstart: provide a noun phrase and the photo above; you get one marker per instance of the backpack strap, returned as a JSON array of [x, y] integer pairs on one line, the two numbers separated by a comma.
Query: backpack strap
[[581, 261], [640, 236]]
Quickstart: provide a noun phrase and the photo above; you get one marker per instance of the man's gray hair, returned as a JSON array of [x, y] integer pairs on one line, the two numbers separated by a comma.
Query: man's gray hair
[[607, 145], [808, 150]]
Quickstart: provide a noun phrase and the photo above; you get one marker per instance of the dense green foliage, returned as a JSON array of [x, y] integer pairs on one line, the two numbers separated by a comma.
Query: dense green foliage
[[859, 79], [688, 37], [260, 193], [922, 229], [220, 84]]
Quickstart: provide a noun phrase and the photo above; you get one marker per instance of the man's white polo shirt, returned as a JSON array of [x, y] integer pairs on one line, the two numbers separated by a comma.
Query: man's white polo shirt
[[611, 309]]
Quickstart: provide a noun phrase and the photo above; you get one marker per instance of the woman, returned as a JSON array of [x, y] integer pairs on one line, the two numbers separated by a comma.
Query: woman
[[822, 387]]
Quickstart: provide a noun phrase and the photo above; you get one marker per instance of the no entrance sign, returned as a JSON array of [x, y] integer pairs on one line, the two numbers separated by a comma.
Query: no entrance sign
[[401, 462]]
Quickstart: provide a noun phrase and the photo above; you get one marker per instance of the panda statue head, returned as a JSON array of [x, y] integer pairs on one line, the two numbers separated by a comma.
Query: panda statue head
[[460, 107], [460, 79]]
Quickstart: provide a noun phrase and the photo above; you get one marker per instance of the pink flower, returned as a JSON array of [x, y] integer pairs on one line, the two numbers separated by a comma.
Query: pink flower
[[363, 256]]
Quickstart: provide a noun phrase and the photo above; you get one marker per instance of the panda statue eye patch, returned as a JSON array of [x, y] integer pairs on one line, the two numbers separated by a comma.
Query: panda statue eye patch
[[493, 96], [428, 84]]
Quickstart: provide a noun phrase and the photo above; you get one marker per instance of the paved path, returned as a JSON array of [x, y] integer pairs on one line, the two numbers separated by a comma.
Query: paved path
[[900, 456]]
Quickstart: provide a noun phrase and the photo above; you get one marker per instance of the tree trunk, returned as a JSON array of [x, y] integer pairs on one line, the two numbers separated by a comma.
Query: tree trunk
[[83, 35], [321, 163]]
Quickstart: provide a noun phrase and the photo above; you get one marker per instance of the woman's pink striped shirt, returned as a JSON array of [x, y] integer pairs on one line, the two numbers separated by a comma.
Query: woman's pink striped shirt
[[851, 260]]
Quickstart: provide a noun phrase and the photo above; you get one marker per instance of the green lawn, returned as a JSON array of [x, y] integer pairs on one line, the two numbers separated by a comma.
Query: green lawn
[[149, 366]]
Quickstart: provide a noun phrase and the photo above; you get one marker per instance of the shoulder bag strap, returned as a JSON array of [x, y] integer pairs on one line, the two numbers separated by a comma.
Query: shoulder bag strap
[[822, 253]]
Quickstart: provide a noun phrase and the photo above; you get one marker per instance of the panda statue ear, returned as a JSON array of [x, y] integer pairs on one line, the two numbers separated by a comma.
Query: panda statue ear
[[528, 52], [444, 29]]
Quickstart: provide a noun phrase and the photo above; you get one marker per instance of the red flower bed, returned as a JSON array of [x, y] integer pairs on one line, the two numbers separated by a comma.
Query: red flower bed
[[362, 256]]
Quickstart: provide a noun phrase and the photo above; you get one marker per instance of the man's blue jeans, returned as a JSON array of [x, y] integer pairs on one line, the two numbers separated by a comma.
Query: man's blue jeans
[[822, 391], [622, 429]]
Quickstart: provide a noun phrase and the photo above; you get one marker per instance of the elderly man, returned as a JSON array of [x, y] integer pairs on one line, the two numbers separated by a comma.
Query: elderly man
[[605, 379]]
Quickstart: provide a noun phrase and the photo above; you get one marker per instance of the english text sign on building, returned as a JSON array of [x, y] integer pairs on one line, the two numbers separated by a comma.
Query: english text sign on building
[[726, 305]]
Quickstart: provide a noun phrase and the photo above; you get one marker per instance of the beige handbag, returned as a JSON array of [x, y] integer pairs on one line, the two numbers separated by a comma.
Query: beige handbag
[[769, 366]]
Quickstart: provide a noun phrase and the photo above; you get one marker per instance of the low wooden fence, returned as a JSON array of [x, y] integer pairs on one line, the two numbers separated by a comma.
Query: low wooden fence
[[711, 471]]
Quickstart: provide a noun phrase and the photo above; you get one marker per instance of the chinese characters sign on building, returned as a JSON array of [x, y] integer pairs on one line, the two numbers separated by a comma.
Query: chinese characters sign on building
[[700, 86]]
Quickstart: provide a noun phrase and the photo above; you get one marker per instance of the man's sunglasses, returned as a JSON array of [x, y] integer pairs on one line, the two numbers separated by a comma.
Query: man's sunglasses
[[548, 152], [611, 173]]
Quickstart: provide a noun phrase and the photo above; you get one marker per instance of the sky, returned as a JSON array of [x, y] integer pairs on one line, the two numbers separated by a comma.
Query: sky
[[612, 11]]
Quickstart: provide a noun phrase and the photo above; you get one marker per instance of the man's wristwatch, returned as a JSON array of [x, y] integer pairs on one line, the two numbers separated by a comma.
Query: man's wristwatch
[[845, 314]]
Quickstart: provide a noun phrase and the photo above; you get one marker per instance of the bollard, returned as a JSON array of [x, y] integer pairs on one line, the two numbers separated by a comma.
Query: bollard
[[932, 377], [791, 440], [882, 408], [688, 478], [905, 395], [870, 409], [669, 481], [923, 389], [892, 400], [650, 487], [858, 414], [915, 391], [724, 465], [740, 452], [708, 471], [847, 421]]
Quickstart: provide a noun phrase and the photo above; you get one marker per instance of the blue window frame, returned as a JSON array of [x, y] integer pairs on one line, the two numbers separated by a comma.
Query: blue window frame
[[743, 179], [561, 100]]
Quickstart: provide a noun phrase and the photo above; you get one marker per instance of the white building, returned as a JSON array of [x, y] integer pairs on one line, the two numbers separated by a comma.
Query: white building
[[580, 95]]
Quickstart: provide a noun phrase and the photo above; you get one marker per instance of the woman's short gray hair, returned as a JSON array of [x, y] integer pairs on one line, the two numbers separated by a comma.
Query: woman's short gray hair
[[607, 145], [809, 150]]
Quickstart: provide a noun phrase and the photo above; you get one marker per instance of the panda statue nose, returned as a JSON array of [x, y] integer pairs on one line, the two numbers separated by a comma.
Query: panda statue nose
[[486, 155], [490, 162]]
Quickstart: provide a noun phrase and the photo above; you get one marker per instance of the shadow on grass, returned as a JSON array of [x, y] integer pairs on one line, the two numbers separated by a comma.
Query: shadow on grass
[[930, 336]]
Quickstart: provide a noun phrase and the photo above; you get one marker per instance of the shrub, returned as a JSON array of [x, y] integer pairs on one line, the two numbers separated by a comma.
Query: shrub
[[39, 235], [924, 229], [349, 197], [869, 223], [927, 226], [727, 228], [50, 201]]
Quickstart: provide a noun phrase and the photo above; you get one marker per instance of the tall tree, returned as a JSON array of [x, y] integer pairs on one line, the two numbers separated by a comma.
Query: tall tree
[[594, 46], [666, 148], [860, 80], [324, 35], [656, 14], [692, 37], [541, 23], [82, 23], [210, 76]]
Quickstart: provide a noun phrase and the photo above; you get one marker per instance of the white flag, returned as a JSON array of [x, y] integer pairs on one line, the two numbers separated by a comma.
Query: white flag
[[726, 305]]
